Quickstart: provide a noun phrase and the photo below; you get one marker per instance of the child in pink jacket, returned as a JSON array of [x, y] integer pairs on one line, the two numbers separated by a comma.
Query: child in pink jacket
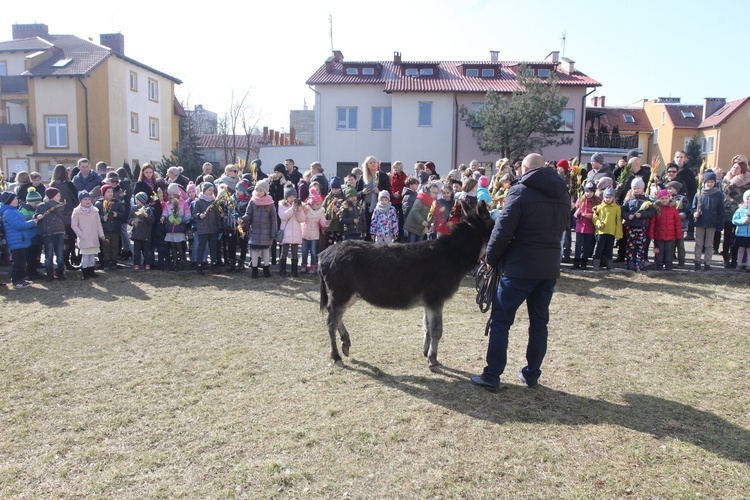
[[315, 219], [292, 216]]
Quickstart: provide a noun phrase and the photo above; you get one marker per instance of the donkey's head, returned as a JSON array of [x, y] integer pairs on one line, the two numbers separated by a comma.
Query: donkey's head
[[479, 218]]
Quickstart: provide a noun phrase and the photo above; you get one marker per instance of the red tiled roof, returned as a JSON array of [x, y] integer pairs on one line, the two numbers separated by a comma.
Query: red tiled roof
[[218, 141], [612, 117], [449, 77], [720, 115], [675, 114]]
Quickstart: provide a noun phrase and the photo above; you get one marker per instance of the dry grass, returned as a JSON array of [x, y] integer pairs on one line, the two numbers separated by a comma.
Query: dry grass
[[173, 385]]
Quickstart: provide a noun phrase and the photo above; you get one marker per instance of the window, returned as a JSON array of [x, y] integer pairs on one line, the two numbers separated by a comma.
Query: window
[[134, 81], [707, 144], [351, 71], [687, 114], [688, 140], [476, 106], [629, 119], [56, 128], [346, 118], [663, 117], [381, 118], [134, 122], [543, 73], [3, 68], [153, 128], [472, 72], [656, 136], [568, 120], [412, 72], [426, 72], [425, 114], [153, 90], [368, 71], [488, 73]]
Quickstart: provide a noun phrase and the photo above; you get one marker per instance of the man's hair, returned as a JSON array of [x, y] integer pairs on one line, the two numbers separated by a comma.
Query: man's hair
[[82, 160], [680, 151]]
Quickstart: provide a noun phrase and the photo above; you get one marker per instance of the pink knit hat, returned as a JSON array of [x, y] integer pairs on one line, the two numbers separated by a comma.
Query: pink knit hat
[[484, 181], [314, 197], [663, 194]]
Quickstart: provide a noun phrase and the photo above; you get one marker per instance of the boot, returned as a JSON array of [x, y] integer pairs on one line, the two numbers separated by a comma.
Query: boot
[[113, 265], [313, 269], [255, 272], [595, 265], [92, 272], [282, 269], [232, 266], [127, 255], [566, 257], [697, 266], [103, 264], [267, 271], [607, 264], [200, 269], [84, 273], [50, 276], [584, 264], [295, 273], [61, 275], [576, 263]]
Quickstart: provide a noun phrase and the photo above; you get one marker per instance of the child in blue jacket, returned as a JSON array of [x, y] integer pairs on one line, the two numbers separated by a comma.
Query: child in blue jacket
[[18, 234], [741, 219]]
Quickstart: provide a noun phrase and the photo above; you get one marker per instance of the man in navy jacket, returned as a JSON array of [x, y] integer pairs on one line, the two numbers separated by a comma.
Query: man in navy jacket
[[525, 248]]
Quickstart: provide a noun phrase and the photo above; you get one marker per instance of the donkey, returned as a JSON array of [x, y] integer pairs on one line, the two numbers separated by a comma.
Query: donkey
[[401, 276]]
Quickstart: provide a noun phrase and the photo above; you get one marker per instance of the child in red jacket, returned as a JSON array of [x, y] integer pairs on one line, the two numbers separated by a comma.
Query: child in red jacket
[[664, 228]]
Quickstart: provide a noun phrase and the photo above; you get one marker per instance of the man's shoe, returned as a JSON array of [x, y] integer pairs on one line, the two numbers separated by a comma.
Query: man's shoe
[[521, 377], [478, 380], [706, 267], [22, 284]]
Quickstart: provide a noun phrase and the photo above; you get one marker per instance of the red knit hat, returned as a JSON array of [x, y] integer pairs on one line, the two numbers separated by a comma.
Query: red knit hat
[[564, 164]]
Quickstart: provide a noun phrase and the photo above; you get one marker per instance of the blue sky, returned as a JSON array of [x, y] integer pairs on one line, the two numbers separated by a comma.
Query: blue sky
[[636, 49]]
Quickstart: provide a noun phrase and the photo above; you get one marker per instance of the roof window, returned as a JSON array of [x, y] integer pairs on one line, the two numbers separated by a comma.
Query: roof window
[[687, 114], [62, 63], [629, 119], [352, 71]]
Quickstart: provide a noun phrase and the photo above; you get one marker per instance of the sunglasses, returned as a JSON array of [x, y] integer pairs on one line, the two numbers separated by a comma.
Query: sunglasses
[[672, 171]]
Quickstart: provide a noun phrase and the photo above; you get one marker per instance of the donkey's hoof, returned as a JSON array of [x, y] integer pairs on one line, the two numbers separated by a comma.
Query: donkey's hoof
[[340, 364], [434, 363], [345, 350]]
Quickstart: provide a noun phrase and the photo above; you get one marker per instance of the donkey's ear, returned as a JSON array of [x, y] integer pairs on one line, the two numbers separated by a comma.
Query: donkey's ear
[[465, 207], [482, 209]]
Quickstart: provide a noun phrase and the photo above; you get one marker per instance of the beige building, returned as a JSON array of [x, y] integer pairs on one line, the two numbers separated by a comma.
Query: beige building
[[63, 97]]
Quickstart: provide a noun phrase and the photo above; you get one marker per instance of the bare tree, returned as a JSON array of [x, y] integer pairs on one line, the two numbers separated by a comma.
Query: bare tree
[[238, 128]]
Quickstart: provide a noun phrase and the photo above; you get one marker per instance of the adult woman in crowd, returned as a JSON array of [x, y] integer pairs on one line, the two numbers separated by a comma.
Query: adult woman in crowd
[[734, 184], [373, 181], [68, 196]]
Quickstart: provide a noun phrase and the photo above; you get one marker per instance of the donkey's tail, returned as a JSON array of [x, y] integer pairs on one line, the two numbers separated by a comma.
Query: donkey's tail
[[323, 295]]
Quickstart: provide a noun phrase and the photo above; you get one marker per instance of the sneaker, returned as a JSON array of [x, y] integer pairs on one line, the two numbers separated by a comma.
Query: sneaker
[[22, 284], [522, 378], [478, 380], [136, 268], [148, 268], [706, 267], [303, 268]]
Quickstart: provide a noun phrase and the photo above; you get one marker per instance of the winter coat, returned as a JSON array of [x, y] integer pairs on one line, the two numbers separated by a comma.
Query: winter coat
[[633, 206], [384, 223], [332, 203], [291, 223], [320, 179], [176, 223], [585, 207], [262, 220], [88, 183], [420, 212], [350, 212], [665, 225], [682, 204], [596, 175], [483, 194], [112, 224], [314, 219], [446, 212], [28, 213], [276, 189], [398, 183], [18, 230], [212, 223], [124, 193], [408, 197], [23, 190], [88, 227], [68, 194], [382, 183], [142, 229], [53, 222], [687, 178], [733, 190], [739, 219], [608, 219], [525, 242], [710, 204]]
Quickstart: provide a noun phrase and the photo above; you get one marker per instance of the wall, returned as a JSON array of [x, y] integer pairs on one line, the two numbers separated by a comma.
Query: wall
[[55, 96], [412, 143]]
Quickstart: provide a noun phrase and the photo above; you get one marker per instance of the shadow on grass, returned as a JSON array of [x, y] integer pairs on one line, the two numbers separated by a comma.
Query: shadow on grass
[[514, 403]]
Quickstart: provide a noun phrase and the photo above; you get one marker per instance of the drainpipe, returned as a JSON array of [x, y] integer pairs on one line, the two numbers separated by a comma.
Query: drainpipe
[[86, 111], [583, 124], [317, 122], [455, 133]]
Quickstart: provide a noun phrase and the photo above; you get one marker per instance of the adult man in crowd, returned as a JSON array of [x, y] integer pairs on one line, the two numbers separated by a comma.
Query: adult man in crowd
[[529, 229], [292, 172], [686, 177], [87, 179], [599, 169], [208, 169]]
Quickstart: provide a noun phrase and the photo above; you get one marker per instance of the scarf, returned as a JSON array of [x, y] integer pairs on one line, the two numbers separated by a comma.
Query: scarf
[[709, 192], [262, 200], [209, 199], [150, 183], [86, 210], [229, 181], [384, 207]]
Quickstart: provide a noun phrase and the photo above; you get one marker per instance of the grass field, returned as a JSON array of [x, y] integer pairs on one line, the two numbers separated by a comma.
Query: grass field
[[172, 385]]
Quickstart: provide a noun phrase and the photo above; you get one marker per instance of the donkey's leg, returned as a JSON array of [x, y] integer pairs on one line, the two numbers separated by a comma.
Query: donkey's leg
[[345, 340], [434, 318], [426, 330], [335, 313]]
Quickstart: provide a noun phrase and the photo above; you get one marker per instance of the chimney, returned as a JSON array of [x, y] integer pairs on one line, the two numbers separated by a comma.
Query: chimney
[[594, 102], [397, 57], [21, 31], [265, 135], [553, 56], [601, 101], [711, 105], [292, 135], [115, 41], [568, 66], [493, 55], [338, 56]]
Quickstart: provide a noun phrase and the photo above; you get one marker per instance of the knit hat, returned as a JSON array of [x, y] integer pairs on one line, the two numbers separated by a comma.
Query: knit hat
[[709, 176], [105, 187], [248, 177], [350, 191], [663, 193], [7, 197], [424, 176], [484, 181], [174, 171], [142, 197], [476, 175], [633, 153], [314, 197], [335, 182], [191, 186], [33, 196], [289, 190], [205, 186], [677, 186], [279, 167], [637, 182], [257, 163], [384, 194], [609, 192], [563, 164], [51, 192], [83, 194], [173, 188], [262, 186], [113, 176], [589, 186], [243, 187], [597, 157]]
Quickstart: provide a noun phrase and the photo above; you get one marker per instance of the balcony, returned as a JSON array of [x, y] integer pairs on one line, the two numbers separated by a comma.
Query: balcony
[[623, 140], [15, 135], [14, 85]]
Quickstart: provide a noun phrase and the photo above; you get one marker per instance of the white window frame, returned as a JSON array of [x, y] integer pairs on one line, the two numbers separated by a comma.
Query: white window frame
[[663, 117], [426, 105], [352, 71], [3, 68], [686, 113], [380, 113], [56, 133], [655, 139], [134, 123], [628, 118], [488, 73], [543, 73], [153, 90], [134, 81], [347, 121], [472, 72], [368, 71], [153, 128], [564, 117], [708, 144]]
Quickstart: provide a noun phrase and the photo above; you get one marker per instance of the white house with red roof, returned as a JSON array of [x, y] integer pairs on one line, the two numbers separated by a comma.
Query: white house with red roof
[[410, 110]]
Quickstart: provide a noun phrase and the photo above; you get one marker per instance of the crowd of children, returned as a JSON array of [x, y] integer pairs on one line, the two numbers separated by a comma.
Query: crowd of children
[[212, 220]]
